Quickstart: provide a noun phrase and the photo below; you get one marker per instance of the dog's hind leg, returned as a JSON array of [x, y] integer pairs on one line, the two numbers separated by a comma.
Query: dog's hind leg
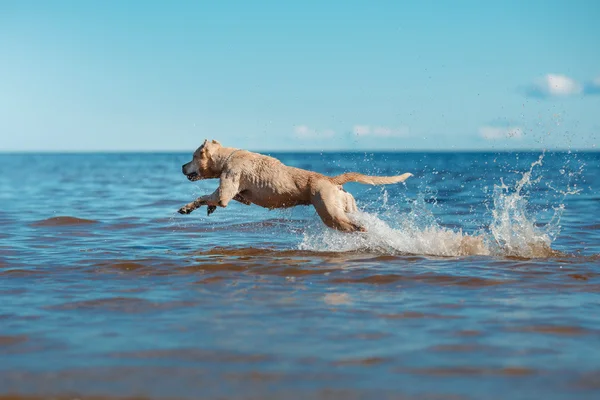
[[331, 204], [349, 202]]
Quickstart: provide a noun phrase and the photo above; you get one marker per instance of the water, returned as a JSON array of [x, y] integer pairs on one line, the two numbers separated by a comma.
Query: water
[[478, 278]]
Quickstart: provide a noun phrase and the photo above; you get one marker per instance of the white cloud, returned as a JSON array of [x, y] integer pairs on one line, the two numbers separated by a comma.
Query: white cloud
[[554, 85], [379, 131], [500, 132], [561, 85], [304, 132], [361, 130]]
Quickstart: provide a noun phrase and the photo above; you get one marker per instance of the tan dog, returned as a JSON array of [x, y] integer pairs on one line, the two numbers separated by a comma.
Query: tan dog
[[253, 178]]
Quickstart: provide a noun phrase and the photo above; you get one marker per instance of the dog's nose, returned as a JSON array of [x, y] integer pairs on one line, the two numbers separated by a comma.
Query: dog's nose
[[183, 168]]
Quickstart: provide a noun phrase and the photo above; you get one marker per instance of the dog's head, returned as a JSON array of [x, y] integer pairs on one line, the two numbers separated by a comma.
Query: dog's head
[[203, 165]]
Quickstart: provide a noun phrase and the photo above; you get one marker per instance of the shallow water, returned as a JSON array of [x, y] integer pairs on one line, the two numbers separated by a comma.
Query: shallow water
[[106, 291]]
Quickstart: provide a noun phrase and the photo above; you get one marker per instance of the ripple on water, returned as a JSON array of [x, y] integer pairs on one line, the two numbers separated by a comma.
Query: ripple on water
[[430, 278], [361, 362], [417, 315], [563, 330], [64, 221], [471, 371], [120, 304], [196, 355], [21, 272], [9, 340]]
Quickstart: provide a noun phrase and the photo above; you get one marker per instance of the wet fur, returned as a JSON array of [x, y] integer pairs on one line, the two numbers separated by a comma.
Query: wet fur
[[252, 178]]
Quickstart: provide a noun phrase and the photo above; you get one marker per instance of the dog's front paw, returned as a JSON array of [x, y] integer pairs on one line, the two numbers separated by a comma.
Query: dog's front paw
[[210, 210], [185, 210]]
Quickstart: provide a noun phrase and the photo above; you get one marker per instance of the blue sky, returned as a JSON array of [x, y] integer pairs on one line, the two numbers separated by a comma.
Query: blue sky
[[310, 75]]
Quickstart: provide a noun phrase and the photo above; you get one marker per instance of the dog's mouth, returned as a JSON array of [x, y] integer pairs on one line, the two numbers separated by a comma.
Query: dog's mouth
[[193, 177]]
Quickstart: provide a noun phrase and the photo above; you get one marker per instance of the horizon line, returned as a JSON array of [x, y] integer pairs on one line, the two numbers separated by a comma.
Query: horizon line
[[466, 150]]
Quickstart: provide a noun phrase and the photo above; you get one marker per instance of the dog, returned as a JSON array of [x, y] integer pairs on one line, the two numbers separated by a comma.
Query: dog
[[252, 178]]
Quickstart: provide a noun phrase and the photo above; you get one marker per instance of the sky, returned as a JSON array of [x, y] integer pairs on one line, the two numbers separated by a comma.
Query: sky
[[303, 76]]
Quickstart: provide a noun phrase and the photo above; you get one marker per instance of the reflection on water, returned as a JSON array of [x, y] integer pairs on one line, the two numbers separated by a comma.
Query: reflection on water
[[106, 291]]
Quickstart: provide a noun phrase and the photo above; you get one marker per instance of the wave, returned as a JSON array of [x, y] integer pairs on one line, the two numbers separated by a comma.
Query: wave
[[63, 221]]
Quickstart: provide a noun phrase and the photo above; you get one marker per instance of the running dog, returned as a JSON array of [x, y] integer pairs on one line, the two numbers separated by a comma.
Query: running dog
[[253, 178]]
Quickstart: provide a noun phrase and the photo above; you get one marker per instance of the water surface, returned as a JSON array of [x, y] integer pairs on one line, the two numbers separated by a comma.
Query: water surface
[[106, 291]]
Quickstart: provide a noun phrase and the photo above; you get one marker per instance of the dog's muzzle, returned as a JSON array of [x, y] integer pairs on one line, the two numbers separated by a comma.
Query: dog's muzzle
[[192, 176]]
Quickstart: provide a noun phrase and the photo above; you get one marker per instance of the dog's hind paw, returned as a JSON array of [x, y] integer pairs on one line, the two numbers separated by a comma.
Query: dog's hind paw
[[358, 228], [210, 210]]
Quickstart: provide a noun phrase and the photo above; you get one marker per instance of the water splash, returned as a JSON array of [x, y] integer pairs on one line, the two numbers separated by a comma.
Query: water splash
[[512, 231], [382, 238]]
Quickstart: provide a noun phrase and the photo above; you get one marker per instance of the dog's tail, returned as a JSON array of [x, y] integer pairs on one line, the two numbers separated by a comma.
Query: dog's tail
[[369, 180]]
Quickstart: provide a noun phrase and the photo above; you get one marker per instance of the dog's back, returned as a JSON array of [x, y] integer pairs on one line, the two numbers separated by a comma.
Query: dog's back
[[267, 182]]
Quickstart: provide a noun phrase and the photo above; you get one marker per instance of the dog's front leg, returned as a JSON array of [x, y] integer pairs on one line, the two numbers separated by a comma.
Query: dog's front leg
[[199, 202], [228, 189]]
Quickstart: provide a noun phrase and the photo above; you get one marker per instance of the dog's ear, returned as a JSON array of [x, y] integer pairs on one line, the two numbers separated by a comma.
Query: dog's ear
[[203, 145], [200, 150], [210, 148]]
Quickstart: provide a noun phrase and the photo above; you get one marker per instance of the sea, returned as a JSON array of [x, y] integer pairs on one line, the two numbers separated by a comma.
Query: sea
[[106, 292]]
